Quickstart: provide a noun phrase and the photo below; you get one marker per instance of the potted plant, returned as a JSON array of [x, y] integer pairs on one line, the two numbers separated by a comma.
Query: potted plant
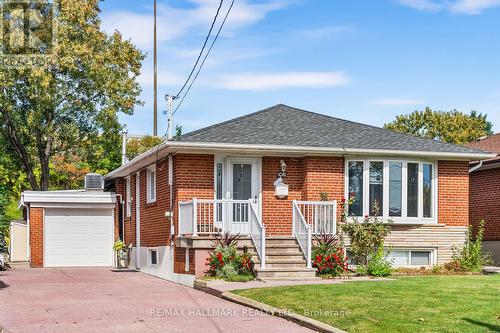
[[121, 254]]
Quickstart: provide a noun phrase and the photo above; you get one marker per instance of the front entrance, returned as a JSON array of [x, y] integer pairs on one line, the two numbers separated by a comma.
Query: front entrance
[[240, 179]]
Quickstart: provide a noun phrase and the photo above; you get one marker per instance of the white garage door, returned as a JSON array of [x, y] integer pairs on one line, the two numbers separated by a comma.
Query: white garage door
[[78, 237]]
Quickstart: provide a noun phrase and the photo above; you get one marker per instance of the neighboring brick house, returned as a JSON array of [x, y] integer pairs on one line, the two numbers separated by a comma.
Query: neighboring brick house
[[261, 175], [485, 194]]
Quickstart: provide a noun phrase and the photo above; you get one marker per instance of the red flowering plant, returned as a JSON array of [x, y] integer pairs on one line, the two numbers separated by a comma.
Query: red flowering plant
[[328, 256], [225, 262]]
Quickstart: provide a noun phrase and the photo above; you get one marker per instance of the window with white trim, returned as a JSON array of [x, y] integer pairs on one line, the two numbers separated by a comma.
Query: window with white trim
[[405, 257], [408, 258], [151, 184], [403, 191], [127, 197]]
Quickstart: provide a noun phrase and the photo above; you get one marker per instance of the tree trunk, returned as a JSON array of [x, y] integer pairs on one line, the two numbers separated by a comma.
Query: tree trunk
[[21, 152], [44, 155]]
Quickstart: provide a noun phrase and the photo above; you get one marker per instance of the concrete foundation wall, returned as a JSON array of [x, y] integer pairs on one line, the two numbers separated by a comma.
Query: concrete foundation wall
[[164, 268]]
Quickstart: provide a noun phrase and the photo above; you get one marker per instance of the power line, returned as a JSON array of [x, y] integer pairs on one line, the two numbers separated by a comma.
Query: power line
[[205, 58], [202, 49]]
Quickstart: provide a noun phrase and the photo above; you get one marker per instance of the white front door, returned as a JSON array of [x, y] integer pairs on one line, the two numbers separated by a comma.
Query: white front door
[[243, 185], [78, 237]]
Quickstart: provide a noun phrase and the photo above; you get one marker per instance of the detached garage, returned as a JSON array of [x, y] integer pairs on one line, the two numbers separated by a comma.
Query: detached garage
[[70, 228]]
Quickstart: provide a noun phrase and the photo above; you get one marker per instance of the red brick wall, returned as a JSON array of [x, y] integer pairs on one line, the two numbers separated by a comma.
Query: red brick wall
[[306, 177], [180, 261], [193, 178], [155, 227], [453, 196], [120, 185], [276, 212], [485, 201], [36, 236], [324, 174], [130, 221]]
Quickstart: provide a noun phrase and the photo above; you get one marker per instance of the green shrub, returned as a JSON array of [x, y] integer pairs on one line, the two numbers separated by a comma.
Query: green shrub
[[366, 237], [378, 265], [225, 262], [471, 257], [328, 256]]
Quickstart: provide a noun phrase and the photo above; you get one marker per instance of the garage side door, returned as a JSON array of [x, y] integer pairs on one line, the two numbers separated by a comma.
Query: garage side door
[[78, 237]]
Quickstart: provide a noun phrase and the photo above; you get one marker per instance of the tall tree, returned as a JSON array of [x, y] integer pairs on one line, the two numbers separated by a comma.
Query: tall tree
[[73, 103], [449, 126], [137, 146]]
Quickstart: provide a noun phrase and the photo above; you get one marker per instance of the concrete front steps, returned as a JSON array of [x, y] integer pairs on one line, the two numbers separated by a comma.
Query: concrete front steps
[[284, 261]]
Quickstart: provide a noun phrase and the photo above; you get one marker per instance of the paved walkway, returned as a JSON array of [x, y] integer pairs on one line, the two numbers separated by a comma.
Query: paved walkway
[[98, 300], [223, 286]]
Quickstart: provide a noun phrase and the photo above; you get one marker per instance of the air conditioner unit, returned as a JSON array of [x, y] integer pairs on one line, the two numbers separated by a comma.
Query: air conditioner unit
[[94, 182]]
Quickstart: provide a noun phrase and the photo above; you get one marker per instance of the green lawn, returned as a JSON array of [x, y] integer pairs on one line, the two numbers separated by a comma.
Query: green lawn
[[407, 304]]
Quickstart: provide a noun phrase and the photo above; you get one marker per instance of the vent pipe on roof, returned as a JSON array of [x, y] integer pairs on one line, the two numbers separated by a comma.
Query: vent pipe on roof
[[124, 146]]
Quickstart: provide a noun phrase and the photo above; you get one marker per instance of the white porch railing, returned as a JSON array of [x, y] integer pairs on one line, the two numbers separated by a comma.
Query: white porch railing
[[207, 217], [312, 217], [320, 215], [302, 232], [258, 234]]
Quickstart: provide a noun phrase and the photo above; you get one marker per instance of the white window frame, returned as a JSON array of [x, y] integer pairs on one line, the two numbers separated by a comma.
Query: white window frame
[[385, 214], [151, 197], [128, 196], [432, 250], [150, 257]]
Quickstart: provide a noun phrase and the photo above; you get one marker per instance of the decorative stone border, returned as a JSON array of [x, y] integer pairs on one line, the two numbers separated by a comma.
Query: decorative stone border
[[203, 286], [288, 315]]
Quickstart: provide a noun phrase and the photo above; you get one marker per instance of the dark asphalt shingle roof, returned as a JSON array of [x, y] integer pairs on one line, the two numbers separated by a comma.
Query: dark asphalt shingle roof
[[284, 125]]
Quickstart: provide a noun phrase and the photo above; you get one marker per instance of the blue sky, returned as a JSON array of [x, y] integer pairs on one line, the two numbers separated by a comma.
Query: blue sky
[[366, 61]]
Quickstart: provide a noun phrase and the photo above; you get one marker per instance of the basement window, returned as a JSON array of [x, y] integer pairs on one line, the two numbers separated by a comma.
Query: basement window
[[153, 257], [405, 257]]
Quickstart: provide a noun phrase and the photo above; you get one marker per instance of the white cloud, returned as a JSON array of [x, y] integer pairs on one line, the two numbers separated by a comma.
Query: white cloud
[[473, 7], [466, 7], [173, 22], [326, 31], [425, 5], [397, 101], [263, 81]]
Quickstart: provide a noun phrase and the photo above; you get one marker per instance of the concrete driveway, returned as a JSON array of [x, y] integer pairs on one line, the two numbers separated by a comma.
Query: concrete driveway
[[99, 300]]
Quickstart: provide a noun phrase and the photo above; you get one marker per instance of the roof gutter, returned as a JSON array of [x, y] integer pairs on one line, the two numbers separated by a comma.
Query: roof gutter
[[474, 168], [173, 146]]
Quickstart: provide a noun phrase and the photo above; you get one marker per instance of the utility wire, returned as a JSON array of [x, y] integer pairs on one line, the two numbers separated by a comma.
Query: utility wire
[[202, 49], [205, 58]]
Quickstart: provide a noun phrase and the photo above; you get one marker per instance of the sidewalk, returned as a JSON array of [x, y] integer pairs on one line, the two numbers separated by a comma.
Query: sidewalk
[[217, 287]]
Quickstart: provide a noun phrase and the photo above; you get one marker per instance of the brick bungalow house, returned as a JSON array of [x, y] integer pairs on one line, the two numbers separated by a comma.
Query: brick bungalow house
[[485, 194], [261, 175]]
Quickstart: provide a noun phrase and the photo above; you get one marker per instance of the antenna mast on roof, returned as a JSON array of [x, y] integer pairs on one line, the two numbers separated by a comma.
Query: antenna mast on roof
[[170, 116]]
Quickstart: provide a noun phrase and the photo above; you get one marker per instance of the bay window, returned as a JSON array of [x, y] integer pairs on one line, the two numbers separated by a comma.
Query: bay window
[[403, 191], [395, 188], [376, 188], [356, 188]]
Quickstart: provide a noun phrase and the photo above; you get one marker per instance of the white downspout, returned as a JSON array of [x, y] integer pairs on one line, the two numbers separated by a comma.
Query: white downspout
[[471, 170], [171, 189], [124, 146], [138, 220]]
